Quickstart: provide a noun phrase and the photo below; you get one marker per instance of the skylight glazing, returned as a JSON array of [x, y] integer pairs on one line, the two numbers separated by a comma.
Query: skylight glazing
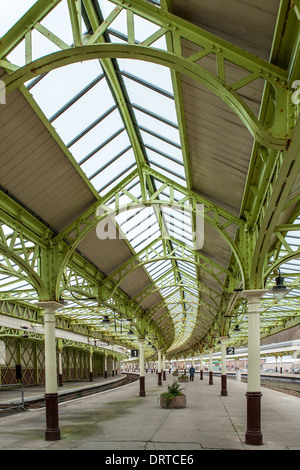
[[86, 111]]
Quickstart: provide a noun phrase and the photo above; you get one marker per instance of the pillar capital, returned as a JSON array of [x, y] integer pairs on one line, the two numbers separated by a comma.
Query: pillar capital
[[49, 306], [254, 293]]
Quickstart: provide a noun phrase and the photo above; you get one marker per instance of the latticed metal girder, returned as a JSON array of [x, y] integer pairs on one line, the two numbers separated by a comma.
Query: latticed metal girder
[[187, 282], [276, 138], [278, 152]]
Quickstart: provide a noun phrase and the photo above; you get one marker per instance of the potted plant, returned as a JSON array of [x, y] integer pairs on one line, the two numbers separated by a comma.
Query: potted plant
[[173, 398], [183, 378], [175, 373]]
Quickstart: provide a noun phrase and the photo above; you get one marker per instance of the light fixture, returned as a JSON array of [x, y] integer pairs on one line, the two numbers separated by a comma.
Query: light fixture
[[236, 328], [105, 319], [279, 290]]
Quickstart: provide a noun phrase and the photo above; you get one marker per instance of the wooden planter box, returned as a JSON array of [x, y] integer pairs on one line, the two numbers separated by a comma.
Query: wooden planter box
[[178, 401]]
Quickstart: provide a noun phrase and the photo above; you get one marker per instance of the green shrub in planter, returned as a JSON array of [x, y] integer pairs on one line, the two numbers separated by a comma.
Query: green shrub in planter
[[173, 398], [183, 378]]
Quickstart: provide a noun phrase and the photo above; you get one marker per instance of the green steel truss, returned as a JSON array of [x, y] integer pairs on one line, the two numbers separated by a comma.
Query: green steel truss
[[49, 265]]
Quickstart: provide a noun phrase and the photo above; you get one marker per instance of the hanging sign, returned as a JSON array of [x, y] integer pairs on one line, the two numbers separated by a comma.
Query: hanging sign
[[134, 353], [230, 351]]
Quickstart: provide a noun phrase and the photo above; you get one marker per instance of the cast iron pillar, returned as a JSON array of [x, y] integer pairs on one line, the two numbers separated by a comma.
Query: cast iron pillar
[[210, 368], [91, 367], [105, 367], [159, 367], [253, 435], [142, 369], [223, 367], [52, 432], [60, 375], [201, 367]]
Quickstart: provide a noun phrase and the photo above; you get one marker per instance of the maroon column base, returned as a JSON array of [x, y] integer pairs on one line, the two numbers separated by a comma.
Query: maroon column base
[[223, 385], [142, 387], [105, 374], [113, 373], [253, 434], [52, 432], [201, 374], [210, 378], [91, 376], [60, 380], [159, 378], [164, 375]]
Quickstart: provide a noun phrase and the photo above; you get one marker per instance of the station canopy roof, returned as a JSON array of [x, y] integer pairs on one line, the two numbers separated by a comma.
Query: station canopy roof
[[151, 137]]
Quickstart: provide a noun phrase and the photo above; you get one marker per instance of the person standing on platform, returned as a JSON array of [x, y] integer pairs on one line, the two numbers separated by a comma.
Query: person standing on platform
[[192, 373]]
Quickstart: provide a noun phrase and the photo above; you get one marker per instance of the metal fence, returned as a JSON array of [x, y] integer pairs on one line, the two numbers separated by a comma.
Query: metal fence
[[11, 397]]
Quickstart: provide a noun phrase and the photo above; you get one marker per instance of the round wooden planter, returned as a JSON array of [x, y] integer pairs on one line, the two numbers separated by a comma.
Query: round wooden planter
[[183, 379], [176, 402]]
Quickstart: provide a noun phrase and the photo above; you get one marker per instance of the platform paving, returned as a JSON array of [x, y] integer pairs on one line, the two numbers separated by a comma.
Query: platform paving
[[120, 420]]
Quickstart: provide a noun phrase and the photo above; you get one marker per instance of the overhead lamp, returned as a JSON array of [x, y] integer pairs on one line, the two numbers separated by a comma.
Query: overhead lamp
[[105, 319], [279, 290], [236, 328]]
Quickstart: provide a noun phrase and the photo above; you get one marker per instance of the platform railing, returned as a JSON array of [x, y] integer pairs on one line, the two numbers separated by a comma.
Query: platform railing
[[11, 397]]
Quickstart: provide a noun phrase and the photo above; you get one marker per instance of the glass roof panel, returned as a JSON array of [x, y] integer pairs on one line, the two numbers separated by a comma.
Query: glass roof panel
[[143, 28], [99, 158], [168, 165], [157, 126], [154, 74], [63, 84], [84, 112], [56, 22], [153, 101], [120, 22], [108, 172], [100, 136], [13, 11], [160, 145]]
